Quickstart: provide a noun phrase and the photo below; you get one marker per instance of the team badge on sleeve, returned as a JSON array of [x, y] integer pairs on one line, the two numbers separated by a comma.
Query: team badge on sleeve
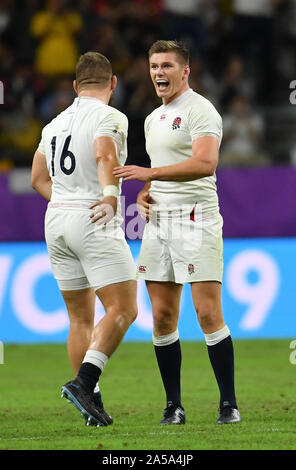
[[176, 123]]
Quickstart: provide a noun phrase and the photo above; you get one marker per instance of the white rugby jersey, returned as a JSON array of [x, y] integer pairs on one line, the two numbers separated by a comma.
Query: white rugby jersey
[[68, 144], [170, 131]]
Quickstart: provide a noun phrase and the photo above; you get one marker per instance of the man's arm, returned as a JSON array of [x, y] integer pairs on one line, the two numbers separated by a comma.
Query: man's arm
[[40, 179], [143, 202], [204, 160], [106, 158]]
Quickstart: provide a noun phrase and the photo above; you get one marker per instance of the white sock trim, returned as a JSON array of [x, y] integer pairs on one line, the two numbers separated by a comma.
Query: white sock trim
[[96, 358], [165, 340], [217, 336]]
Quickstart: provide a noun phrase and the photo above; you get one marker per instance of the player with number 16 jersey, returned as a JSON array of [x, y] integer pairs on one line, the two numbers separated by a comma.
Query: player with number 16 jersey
[[67, 142], [72, 168]]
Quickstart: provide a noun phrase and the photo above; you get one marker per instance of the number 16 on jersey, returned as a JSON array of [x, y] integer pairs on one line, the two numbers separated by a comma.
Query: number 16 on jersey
[[68, 170]]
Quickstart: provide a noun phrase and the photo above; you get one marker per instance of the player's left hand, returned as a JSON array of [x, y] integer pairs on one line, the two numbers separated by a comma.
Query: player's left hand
[[133, 172], [104, 210]]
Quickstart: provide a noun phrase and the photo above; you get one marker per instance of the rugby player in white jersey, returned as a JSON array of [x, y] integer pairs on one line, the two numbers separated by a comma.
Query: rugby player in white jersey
[[182, 241], [72, 169]]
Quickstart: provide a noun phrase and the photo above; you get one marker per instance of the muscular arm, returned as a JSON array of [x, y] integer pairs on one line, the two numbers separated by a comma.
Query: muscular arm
[[105, 155], [40, 179], [204, 160], [106, 158]]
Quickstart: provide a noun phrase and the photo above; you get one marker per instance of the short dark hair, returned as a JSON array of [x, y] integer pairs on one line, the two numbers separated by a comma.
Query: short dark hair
[[93, 69], [171, 46]]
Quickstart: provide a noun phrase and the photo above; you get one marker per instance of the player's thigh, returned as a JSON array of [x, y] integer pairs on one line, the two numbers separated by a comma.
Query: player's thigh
[[65, 263], [120, 298], [107, 261], [206, 298], [165, 300], [80, 304]]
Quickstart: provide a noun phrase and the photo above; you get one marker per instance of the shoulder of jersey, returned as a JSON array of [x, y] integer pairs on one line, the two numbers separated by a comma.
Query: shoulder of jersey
[[196, 99], [110, 111], [117, 113]]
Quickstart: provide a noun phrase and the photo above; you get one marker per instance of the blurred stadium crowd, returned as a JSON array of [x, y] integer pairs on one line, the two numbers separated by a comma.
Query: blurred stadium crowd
[[242, 58]]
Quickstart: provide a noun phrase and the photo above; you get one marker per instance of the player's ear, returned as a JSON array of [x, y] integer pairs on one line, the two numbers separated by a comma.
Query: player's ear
[[186, 72], [113, 82], [75, 86]]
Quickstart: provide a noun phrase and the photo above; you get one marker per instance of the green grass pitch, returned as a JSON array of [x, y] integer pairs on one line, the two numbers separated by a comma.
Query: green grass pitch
[[34, 417]]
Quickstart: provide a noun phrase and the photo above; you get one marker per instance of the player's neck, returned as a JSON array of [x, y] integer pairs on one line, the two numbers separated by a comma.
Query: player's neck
[[101, 95], [180, 92]]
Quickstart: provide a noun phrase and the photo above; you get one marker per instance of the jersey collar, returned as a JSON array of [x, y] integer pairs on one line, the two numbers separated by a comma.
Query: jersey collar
[[88, 98], [179, 99]]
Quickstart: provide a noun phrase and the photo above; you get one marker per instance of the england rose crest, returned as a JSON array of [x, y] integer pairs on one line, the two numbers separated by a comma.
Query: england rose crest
[[191, 268], [176, 123]]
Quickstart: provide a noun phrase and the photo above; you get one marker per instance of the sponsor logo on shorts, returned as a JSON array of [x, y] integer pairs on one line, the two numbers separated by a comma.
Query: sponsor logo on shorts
[[177, 123], [191, 268], [142, 269]]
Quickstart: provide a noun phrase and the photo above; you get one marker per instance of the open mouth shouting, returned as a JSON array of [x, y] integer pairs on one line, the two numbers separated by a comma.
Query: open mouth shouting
[[162, 84]]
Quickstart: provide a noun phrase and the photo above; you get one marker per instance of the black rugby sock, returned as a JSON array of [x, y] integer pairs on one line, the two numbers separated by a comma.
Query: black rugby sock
[[89, 374], [222, 359], [169, 362]]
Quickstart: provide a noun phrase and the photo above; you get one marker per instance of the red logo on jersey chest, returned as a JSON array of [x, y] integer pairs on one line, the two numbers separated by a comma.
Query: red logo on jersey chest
[[177, 123], [162, 117]]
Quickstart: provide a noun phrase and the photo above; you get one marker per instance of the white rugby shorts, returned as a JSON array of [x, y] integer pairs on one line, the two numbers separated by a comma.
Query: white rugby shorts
[[182, 249], [84, 254]]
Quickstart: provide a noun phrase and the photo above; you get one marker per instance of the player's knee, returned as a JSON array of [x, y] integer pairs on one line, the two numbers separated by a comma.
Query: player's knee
[[208, 315], [125, 314], [164, 319], [132, 314], [81, 321], [128, 315]]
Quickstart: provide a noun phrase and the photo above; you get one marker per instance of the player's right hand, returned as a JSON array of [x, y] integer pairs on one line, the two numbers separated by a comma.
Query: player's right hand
[[143, 204], [104, 210]]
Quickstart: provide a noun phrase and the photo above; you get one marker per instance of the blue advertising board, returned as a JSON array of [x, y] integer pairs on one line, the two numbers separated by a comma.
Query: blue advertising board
[[258, 294]]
